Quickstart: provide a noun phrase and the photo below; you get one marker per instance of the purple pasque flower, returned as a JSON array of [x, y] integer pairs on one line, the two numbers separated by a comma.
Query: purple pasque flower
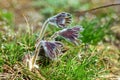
[[26, 58], [52, 48], [27, 61], [61, 20], [71, 34]]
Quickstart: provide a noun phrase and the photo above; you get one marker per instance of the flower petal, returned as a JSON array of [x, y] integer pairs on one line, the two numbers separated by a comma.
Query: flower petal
[[61, 20], [71, 34], [52, 48]]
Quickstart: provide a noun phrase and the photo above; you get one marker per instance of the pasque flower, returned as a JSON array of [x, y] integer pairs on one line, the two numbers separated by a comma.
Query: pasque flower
[[71, 34], [26, 58], [27, 61], [61, 20], [52, 48]]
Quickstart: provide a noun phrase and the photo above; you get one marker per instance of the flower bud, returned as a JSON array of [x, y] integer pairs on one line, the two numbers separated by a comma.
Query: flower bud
[[61, 20]]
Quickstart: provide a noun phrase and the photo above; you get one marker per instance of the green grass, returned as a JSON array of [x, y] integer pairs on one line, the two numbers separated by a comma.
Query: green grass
[[71, 67], [94, 30]]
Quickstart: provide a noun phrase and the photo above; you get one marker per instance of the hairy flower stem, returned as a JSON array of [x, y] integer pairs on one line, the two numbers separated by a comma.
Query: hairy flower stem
[[37, 49], [54, 36], [42, 32]]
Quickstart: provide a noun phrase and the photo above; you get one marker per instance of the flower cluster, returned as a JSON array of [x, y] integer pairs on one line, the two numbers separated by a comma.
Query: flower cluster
[[53, 48]]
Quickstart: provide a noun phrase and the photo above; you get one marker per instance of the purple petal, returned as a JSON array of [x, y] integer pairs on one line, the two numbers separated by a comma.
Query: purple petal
[[26, 58], [61, 20], [52, 48], [78, 28], [71, 33]]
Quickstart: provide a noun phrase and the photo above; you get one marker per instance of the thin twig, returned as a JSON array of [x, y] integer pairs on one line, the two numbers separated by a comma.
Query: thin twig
[[27, 24], [101, 7]]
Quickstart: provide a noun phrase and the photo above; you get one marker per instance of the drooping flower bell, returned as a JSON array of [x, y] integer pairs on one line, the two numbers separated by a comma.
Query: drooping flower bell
[[52, 48], [27, 61], [71, 34], [61, 20], [26, 58]]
